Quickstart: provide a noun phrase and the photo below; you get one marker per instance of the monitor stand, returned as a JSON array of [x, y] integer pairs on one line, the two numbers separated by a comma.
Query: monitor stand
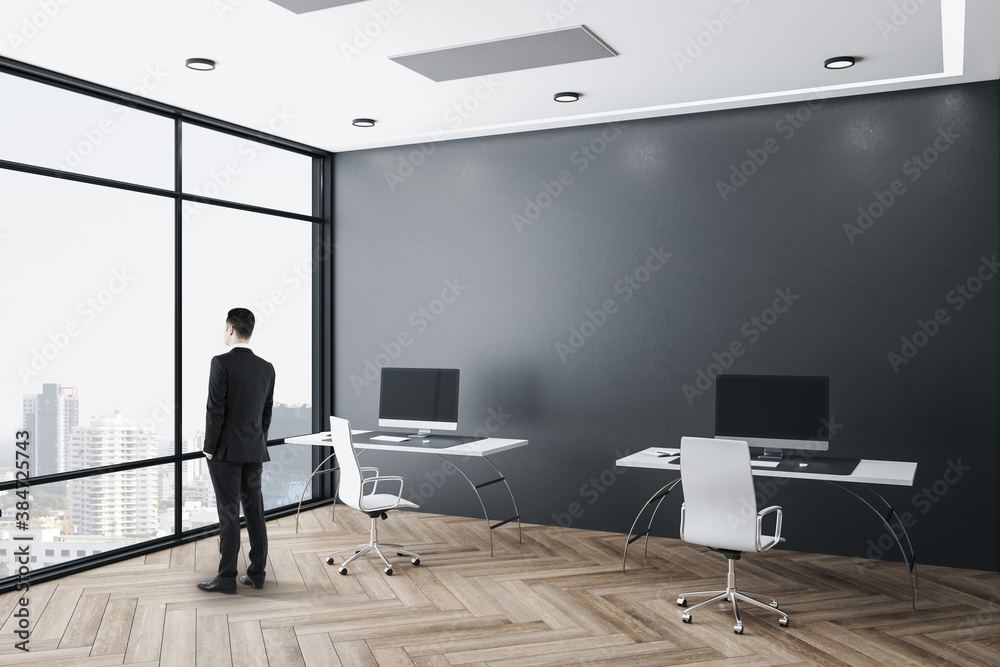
[[771, 455], [421, 433]]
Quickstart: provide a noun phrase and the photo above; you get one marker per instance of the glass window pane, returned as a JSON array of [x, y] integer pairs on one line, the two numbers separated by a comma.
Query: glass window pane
[[92, 515], [89, 315], [51, 127], [286, 475], [222, 166], [237, 259]]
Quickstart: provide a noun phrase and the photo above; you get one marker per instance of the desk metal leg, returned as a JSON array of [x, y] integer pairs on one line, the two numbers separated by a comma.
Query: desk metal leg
[[475, 488], [908, 555], [658, 499], [316, 471]]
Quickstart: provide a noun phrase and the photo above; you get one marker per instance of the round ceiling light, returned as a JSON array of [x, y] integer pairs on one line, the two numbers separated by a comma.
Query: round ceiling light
[[839, 62], [200, 64], [363, 122], [566, 97]]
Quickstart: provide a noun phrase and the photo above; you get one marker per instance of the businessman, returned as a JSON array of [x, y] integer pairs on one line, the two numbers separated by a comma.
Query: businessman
[[240, 394]]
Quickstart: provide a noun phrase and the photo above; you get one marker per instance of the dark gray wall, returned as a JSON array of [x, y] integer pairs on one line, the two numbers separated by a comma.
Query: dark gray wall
[[507, 262]]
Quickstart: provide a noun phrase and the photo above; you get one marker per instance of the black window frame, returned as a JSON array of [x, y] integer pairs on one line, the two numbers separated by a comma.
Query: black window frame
[[322, 310]]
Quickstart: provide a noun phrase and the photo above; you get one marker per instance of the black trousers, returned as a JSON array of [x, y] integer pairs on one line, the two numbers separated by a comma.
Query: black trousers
[[238, 484]]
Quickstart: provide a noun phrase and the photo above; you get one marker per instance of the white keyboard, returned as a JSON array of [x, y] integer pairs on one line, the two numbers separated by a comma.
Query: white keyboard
[[764, 464]]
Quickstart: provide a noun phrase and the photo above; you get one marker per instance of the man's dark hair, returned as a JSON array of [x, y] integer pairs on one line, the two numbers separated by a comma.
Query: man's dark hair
[[242, 321]]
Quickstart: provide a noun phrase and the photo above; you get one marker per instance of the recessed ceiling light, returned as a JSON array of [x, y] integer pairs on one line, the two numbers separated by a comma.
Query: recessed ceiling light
[[363, 122], [839, 62], [200, 64], [567, 97]]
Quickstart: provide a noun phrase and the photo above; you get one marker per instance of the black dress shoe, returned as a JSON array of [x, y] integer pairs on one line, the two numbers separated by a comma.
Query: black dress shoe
[[217, 586], [245, 579]]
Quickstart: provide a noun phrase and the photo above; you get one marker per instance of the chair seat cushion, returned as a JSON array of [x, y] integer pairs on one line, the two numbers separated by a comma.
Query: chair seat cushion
[[377, 502]]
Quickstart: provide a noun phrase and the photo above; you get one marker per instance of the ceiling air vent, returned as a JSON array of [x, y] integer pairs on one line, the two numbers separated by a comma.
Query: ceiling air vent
[[510, 54], [303, 6]]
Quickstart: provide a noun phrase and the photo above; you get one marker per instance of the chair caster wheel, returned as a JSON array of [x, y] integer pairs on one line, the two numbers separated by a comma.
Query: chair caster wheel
[[415, 561], [682, 601], [783, 622], [774, 604], [342, 570], [388, 571], [329, 560], [686, 617], [738, 628]]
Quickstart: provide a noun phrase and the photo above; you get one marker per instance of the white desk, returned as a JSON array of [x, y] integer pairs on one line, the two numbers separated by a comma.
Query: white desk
[[899, 473], [868, 471], [476, 449]]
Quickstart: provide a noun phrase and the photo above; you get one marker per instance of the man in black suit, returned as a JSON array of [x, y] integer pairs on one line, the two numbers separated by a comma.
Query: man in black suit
[[240, 394]]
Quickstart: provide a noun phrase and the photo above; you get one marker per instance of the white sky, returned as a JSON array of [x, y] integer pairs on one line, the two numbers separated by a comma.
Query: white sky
[[87, 273]]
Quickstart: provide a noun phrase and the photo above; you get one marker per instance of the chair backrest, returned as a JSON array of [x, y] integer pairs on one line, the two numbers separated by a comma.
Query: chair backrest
[[347, 461], [720, 504]]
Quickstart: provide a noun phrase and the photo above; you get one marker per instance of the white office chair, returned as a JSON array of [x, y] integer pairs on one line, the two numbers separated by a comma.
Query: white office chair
[[720, 512], [352, 493]]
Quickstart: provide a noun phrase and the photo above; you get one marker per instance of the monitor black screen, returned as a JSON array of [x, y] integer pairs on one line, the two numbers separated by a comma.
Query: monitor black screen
[[421, 398], [774, 411]]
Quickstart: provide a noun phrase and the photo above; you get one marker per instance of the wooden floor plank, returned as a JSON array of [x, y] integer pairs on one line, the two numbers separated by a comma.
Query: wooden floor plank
[[179, 647], [212, 641], [392, 657], [83, 626], [282, 647], [557, 598], [146, 635], [246, 644], [116, 624], [355, 653], [54, 618], [318, 651]]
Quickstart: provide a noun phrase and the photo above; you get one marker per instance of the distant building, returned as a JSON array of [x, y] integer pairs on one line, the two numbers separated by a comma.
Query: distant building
[[118, 505], [50, 417], [48, 548], [288, 420]]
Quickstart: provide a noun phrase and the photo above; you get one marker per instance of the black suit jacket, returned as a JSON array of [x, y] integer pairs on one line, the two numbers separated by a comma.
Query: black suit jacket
[[240, 394]]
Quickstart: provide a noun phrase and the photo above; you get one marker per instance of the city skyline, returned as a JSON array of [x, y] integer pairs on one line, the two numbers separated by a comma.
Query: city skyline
[[104, 320], [91, 352], [51, 455]]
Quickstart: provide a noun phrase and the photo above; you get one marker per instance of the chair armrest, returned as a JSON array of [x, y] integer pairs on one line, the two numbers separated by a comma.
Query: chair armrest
[[389, 478], [369, 470], [777, 529]]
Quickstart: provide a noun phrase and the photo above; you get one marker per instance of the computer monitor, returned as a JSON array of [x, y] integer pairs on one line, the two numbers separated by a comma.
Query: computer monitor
[[419, 398], [775, 412]]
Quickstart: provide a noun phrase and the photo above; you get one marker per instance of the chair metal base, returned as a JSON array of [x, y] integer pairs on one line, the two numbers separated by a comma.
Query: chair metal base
[[732, 594], [376, 546]]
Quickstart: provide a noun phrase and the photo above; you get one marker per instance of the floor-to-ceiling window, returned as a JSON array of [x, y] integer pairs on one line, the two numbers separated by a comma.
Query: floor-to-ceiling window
[[127, 232]]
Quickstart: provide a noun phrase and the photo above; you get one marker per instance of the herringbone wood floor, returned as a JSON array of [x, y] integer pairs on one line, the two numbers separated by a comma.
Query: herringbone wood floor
[[559, 598]]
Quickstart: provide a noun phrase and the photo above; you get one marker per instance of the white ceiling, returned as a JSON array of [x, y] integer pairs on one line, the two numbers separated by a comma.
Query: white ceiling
[[306, 76]]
